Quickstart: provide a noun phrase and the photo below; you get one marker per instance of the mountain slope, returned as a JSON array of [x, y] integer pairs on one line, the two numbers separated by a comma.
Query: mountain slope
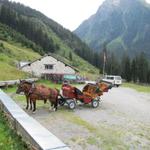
[[14, 47], [26, 34], [10, 54], [48, 35], [123, 24]]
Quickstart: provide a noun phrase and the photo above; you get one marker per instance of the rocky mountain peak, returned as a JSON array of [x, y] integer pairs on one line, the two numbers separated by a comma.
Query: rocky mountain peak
[[124, 24]]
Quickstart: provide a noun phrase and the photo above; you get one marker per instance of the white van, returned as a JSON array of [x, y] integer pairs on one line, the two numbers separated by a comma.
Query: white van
[[115, 80]]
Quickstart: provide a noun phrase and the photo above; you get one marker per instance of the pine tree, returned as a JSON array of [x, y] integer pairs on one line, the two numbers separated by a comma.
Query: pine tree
[[113, 65], [126, 68], [142, 68], [134, 70], [148, 76]]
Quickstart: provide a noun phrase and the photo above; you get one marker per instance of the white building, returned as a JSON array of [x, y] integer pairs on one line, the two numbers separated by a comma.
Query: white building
[[48, 66]]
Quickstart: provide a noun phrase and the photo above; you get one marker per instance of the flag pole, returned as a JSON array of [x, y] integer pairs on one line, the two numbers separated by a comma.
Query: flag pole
[[104, 64], [104, 59]]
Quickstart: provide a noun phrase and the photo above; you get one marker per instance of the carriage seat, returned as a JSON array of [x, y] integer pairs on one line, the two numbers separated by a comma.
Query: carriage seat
[[77, 91]]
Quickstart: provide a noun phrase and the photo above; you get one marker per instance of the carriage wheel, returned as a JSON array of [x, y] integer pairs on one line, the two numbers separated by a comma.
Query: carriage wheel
[[61, 102], [72, 104], [95, 103]]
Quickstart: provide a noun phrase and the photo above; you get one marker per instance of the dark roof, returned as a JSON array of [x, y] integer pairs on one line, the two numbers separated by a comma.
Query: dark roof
[[58, 58]]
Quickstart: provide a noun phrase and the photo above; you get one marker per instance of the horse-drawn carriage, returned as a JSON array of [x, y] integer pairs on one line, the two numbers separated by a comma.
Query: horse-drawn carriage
[[90, 94], [70, 95]]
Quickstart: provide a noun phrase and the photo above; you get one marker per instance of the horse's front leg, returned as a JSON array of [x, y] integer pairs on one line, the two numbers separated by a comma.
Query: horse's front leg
[[30, 104], [34, 106], [27, 100], [45, 100], [53, 106], [56, 104]]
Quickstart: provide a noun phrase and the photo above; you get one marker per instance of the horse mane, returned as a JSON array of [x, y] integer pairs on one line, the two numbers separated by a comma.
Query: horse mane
[[57, 90], [27, 82], [43, 86]]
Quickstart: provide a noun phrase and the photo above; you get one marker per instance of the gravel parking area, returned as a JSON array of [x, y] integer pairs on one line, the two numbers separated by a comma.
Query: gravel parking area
[[121, 122]]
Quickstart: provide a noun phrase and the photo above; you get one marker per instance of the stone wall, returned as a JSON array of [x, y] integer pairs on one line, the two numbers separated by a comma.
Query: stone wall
[[38, 137]]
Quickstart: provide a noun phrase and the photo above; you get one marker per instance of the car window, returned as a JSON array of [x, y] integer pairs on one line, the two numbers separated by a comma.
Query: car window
[[110, 78], [118, 78]]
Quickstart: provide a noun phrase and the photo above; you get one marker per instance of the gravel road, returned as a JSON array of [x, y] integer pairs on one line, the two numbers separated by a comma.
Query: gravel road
[[118, 106], [121, 122]]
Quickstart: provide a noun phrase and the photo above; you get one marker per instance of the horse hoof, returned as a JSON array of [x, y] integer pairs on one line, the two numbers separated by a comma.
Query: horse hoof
[[54, 109], [33, 112]]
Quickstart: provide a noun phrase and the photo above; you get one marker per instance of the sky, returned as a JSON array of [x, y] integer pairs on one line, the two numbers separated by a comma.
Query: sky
[[69, 13]]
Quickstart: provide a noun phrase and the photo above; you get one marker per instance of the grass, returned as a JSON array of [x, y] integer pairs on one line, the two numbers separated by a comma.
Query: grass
[[137, 87], [77, 120], [91, 140], [20, 53], [11, 89], [54, 85], [9, 140], [10, 57], [14, 53], [49, 84], [9, 72]]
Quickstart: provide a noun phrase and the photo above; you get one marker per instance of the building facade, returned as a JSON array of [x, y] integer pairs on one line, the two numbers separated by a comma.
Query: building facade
[[48, 66]]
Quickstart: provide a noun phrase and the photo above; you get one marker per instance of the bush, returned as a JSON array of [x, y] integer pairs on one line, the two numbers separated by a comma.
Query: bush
[[1, 45]]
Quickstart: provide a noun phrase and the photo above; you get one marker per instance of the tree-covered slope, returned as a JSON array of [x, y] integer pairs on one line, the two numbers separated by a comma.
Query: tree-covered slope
[[26, 34], [48, 35], [123, 24], [15, 47]]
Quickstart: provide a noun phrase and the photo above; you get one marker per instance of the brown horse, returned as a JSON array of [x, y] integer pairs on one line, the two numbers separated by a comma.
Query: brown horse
[[38, 92]]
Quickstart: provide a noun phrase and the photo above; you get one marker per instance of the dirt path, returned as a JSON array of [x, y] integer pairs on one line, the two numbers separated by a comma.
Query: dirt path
[[121, 122]]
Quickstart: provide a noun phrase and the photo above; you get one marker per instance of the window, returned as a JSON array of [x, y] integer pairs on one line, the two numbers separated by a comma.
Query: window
[[118, 78], [49, 66], [110, 78]]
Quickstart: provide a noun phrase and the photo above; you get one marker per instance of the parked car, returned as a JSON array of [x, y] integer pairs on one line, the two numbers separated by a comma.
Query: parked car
[[90, 82], [73, 78], [115, 80]]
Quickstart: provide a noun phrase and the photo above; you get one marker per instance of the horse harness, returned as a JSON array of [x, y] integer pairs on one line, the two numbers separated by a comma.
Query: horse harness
[[33, 87]]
